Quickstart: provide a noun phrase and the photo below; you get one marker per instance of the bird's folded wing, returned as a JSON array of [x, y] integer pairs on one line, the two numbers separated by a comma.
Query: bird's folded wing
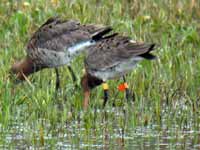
[[110, 52]]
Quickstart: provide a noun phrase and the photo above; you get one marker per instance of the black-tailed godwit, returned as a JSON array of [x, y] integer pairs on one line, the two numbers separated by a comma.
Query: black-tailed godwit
[[56, 43], [112, 57]]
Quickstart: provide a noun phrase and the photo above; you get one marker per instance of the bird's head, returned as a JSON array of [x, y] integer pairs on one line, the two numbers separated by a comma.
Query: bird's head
[[23, 68]]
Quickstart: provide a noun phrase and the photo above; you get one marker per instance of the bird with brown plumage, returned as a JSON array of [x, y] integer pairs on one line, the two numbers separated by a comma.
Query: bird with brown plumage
[[112, 57], [56, 43]]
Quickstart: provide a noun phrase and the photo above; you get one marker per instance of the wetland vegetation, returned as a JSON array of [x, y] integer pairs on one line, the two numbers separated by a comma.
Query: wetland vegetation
[[165, 113]]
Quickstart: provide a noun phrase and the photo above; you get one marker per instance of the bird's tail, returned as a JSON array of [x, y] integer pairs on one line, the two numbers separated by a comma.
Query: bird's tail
[[148, 55]]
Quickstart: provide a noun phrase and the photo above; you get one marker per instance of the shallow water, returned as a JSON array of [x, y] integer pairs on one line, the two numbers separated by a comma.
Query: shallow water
[[106, 134], [138, 138]]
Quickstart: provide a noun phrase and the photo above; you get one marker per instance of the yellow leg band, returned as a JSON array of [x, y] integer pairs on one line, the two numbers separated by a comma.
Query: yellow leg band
[[105, 86]]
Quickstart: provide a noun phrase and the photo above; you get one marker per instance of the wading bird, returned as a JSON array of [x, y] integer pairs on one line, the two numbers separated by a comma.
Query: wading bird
[[112, 57], [56, 43]]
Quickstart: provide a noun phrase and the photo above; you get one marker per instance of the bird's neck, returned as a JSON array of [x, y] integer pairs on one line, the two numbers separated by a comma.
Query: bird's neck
[[90, 82]]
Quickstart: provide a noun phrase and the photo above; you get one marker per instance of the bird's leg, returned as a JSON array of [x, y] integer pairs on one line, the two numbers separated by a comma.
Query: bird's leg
[[73, 75], [105, 89], [57, 79]]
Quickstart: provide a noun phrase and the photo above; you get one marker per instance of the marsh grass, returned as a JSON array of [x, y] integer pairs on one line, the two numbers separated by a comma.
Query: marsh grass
[[166, 90]]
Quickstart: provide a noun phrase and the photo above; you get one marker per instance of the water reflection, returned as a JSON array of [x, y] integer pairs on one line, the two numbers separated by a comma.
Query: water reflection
[[106, 134]]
